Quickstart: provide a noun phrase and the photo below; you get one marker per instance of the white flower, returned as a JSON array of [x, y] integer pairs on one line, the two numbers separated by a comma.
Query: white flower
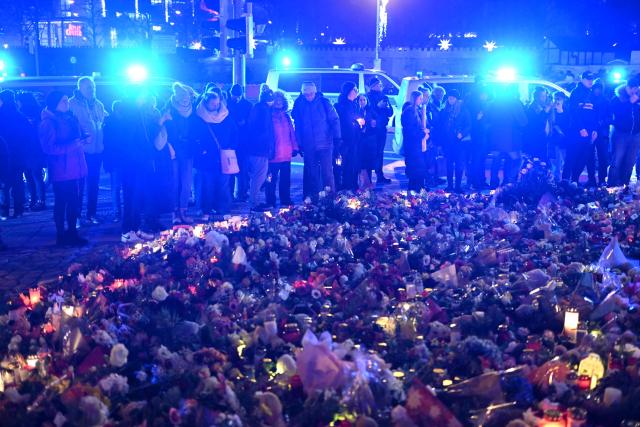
[[118, 356], [95, 412], [159, 294], [114, 383]]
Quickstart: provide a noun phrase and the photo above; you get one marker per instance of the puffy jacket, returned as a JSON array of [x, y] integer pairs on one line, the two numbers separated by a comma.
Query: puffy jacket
[[60, 140], [316, 122], [626, 116], [178, 133], [208, 149], [91, 115]]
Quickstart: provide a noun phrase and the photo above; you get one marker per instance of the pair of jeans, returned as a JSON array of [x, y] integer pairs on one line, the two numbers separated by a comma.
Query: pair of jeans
[[280, 173], [94, 165], [13, 186], [135, 195], [381, 142], [456, 160], [258, 171], [215, 192], [66, 205], [183, 177], [601, 156], [345, 176], [560, 171], [239, 182], [36, 184], [318, 172], [625, 153]]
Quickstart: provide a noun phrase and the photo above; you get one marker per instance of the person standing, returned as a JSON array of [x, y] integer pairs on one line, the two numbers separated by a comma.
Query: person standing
[[180, 110], [346, 169], [559, 120], [454, 129], [144, 137], [35, 161], [317, 127], [506, 119], [260, 147], [600, 162], [90, 113], [239, 110], [538, 127], [62, 142], [625, 110], [114, 149], [477, 106], [213, 130], [366, 143], [584, 125], [286, 147], [383, 110], [14, 129], [414, 143]]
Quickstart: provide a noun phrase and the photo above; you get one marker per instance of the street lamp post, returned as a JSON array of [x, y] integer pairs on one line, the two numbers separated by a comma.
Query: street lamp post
[[377, 62]]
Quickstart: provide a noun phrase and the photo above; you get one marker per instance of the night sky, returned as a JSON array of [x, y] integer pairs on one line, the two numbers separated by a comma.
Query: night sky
[[411, 21]]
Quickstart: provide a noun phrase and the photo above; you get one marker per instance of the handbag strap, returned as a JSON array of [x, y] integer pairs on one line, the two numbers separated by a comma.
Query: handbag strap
[[213, 135]]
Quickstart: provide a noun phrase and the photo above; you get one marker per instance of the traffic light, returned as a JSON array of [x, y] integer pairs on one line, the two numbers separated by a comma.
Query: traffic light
[[244, 27]]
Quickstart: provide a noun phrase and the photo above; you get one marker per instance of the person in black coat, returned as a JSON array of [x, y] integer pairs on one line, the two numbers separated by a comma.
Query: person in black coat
[[382, 107], [538, 127], [260, 146], [559, 121], [346, 164], [584, 125], [367, 142], [478, 105], [625, 110], [413, 134], [114, 131], [35, 160], [15, 130], [239, 110], [601, 152], [455, 129]]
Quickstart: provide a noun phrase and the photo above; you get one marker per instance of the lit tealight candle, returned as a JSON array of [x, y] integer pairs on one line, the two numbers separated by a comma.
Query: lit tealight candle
[[32, 361], [571, 321]]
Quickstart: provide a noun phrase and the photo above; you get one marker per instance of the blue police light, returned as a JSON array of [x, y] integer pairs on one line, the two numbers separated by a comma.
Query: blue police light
[[137, 73], [506, 74], [3, 65], [617, 76], [286, 61]]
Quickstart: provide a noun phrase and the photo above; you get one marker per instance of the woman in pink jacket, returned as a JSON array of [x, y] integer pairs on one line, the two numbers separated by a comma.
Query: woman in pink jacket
[[62, 142], [286, 148]]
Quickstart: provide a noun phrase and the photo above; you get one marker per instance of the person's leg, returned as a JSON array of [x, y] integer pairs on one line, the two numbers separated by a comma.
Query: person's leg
[[18, 192], [221, 197], [381, 141], [94, 166], [59, 207], [602, 151], [460, 163], [617, 157], [29, 173], [312, 173], [631, 153], [270, 187], [285, 184], [72, 208], [450, 168], [127, 203], [258, 170], [325, 158]]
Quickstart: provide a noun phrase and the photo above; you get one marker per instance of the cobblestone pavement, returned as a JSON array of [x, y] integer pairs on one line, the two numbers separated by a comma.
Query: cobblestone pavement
[[32, 256]]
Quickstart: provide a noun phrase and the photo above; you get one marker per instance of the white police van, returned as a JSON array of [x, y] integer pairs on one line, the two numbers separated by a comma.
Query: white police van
[[329, 80]]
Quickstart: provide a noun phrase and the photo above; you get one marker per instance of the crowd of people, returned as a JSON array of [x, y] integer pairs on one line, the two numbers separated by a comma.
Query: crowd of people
[[571, 133], [215, 147]]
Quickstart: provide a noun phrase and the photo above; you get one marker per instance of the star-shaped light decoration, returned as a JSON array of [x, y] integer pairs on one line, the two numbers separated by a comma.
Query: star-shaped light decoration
[[490, 46], [445, 44], [340, 41]]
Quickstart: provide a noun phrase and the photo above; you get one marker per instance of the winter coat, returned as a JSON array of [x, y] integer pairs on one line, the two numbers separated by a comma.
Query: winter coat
[[412, 135], [454, 119], [285, 137], [239, 111], [114, 137], [178, 133], [60, 140], [15, 130], [261, 139], [583, 109], [559, 128], [316, 122], [384, 113], [141, 127], [350, 129], [536, 132], [91, 115], [505, 120], [207, 147], [626, 116]]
